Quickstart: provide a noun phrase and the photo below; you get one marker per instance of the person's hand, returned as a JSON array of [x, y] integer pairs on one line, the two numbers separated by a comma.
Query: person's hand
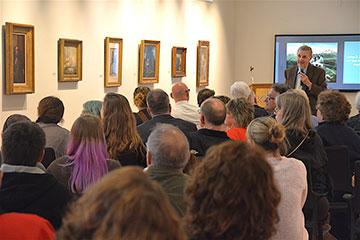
[[305, 80]]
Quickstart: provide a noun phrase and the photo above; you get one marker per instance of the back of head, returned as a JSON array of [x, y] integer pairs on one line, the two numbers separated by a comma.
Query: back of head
[[267, 133], [92, 107], [168, 147], [125, 204], [214, 111], [334, 106], [204, 94], [14, 118], [23, 144], [223, 98], [280, 87], [158, 102], [180, 92], [139, 95], [240, 89], [50, 110], [231, 193], [242, 111]]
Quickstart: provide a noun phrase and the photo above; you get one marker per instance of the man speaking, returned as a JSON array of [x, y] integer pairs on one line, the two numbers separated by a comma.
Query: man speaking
[[307, 77]]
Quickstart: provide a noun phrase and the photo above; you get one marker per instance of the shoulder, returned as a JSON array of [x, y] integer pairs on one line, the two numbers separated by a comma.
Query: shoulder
[[112, 164], [57, 163]]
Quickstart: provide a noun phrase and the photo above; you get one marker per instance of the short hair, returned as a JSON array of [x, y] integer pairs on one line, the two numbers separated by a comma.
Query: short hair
[[240, 89], [23, 144], [280, 87], [305, 48], [214, 111], [231, 193], [357, 101], [92, 107], [50, 110], [223, 98], [334, 106], [125, 204], [204, 94], [158, 101], [139, 95], [242, 111], [168, 147], [14, 118]]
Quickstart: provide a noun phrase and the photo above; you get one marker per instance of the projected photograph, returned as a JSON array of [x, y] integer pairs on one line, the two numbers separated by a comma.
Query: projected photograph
[[324, 56]]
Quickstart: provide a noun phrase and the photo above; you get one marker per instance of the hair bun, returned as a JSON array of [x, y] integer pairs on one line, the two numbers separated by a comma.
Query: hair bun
[[277, 133]]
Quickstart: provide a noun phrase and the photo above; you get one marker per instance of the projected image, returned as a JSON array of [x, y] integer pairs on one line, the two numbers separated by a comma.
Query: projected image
[[324, 56], [352, 62]]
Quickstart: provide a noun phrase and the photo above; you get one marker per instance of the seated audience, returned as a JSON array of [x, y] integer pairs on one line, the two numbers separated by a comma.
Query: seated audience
[[204, 94], [223, 98], [182, 108], [142, 115], [276, 90], [239, 114], [51, 112], [213, 129], [167, 154], [333, 110], [313, 118], [125, 204], [232, 195], [26, 188], [354, 121], [290, 177], [123, 141], [159, 108], [86, 160], [92, 107]]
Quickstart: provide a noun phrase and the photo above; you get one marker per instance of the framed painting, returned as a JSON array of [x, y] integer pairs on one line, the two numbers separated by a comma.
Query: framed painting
[[113, 62], [202, 68], [19, 58], [149, 62], [70, 60], [178, 63]]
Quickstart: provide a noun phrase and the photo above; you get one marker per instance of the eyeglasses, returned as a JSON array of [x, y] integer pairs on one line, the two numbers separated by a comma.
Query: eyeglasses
[[187, 90], [270, 97]]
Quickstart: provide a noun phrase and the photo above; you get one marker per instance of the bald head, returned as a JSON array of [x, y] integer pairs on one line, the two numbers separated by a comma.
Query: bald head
[[214, 111], [180, 92]]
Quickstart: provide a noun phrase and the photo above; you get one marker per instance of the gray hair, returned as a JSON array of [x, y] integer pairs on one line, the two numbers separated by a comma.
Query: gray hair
[[240, 89], [357, 101], [168, 147]]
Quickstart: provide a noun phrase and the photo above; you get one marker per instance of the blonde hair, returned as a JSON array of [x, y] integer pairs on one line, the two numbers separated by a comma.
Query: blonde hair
[[242, 111]]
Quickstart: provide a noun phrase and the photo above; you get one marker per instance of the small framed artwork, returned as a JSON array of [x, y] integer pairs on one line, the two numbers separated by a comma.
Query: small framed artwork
[[202, 68], [19, 58], [113, 62], [70, 60], [178, 65], [149, 62]]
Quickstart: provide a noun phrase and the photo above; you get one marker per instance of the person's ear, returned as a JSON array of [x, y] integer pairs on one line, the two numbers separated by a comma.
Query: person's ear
[[202, 120], [148, 158], [169, 108], [171, 95]]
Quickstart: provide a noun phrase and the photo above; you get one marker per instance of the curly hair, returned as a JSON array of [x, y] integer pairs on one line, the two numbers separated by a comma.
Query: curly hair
[[125, 205], [50, 110], [232, 195], [334, 106], [140, 94]]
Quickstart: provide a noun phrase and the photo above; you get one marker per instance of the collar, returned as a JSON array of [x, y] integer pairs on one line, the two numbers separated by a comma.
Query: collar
[[213, 133], [7, 168]]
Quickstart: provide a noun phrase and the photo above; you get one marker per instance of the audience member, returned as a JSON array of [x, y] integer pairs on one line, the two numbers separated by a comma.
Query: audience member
[[354, 121], [232, 195], [239, 114], [86, 160], [92, 107], [258, 111], [333, 110], [182, 108], [123, 141], [204, 94], [223, 98], [125, 204], [142, 115], [290, 176], [276, 90], [159, 108], [51, 112], [212, 117], [167, 155], [26, 188]]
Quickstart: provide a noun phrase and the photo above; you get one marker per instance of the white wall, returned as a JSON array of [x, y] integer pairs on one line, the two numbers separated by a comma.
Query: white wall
[[257, 22], [173, 22]]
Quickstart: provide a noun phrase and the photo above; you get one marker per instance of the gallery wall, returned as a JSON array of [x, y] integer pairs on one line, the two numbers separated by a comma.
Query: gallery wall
[[173, 22]]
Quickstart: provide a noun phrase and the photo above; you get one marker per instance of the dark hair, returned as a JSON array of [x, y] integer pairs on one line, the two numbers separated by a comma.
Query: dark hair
[[50, 110], [14, 118], [232, 194], [125, 204], [140, 94], [22, 144], [223, 98], [334, 106], [280, 87], [158, 101], [204, 94], [214, 111]]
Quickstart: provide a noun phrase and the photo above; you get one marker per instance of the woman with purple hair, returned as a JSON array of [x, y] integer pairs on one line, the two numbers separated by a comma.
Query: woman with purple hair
[[86, 159]]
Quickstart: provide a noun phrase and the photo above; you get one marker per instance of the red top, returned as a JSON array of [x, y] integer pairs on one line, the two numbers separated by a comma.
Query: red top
[[237, 134]]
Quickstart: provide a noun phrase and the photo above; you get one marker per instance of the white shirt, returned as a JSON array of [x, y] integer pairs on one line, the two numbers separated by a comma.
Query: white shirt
[[186, 111]]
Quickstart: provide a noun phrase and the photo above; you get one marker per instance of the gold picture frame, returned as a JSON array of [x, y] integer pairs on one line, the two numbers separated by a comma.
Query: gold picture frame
[[113, 62], [149, 61], [69, 60], [202, 63], [19, 58], [178, 62]]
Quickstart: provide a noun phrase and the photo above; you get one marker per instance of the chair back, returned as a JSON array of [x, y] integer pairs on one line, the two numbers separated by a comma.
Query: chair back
[[49, 157]]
